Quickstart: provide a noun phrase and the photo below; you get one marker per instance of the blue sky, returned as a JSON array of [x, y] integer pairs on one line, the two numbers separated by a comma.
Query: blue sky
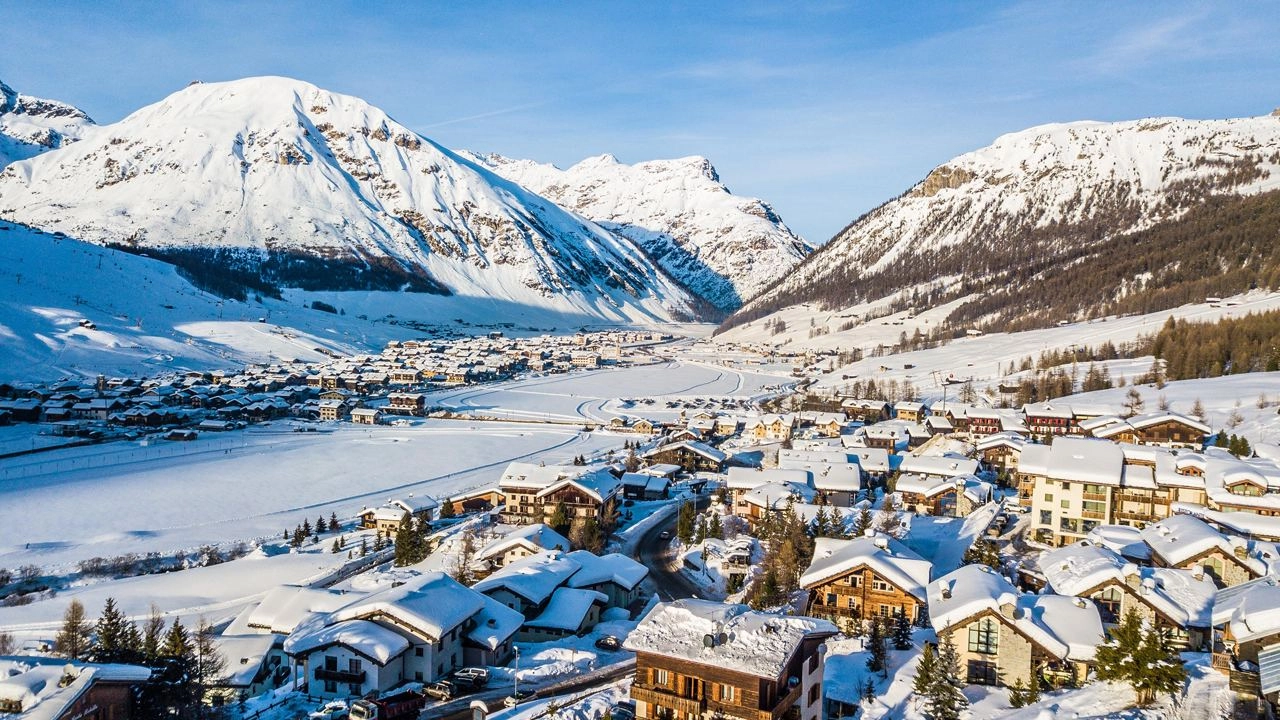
[[825, 109]]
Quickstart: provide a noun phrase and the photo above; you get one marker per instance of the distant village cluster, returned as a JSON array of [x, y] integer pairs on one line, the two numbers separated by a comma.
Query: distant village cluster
[[367, 389]]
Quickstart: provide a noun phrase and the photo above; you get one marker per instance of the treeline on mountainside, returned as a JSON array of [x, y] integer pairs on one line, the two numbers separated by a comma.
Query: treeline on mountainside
[[1227, 347], [234, 273], [1026, 277]]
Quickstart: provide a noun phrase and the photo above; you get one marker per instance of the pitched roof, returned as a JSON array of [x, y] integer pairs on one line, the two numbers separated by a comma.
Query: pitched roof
[[725, 635], [887, 557]]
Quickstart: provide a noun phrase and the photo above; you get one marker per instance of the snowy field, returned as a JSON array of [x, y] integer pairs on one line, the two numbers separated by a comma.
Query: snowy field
[[62, 506]]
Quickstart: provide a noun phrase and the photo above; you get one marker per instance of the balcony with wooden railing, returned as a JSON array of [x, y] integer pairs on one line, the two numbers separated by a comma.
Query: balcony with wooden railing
[[666, 698], [1093, 515], [1096, 497]]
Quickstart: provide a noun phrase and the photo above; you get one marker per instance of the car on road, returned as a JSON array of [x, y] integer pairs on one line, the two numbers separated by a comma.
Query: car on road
[[625, 710], [608, 642], [664, 535]]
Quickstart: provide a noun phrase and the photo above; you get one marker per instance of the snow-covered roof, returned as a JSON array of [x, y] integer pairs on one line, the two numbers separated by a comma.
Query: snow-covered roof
[[742, 478], [871, 459], [946, 466], [522, 474], [1097, 462], [285, 607], [1124, 539], [244, 655], [494, 624], [692, 446], [34, 683], [567, 609], [1251, 609], [1002, 439], [1179, 538], [725, 635], [376, 642], [535, 537], [599, 484], [1047, 410], [533, 578], [1184, 597], [430, 604], [614, 567], [1064, 626], [887, 557], [776, 495]]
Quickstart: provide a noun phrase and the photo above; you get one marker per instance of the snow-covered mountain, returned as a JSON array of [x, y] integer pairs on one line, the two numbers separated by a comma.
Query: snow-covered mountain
[[30, 126], [326, 192], [721, 246], [999, 220]]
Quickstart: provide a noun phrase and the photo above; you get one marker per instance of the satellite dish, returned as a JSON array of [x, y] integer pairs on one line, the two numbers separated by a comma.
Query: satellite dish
[[722, 638], [708, 640]]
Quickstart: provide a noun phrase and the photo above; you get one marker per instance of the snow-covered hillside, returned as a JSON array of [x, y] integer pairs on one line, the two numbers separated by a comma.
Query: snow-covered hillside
[[282, 170], [30, 126], [721, 246], [1042, 198]]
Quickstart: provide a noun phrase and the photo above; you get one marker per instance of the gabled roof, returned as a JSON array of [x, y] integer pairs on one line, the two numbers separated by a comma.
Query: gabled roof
[[1064, 626], [430, 604], [692, 446], [494, 624], [725, 635], [887, 558], [567, 609], [599, 484], [1252, 609], [536, 537], [1183, 597], [597, 569], [740, 478], [1073, 459], [1179, 538], [533, 578], [375, 642], [285, 607]]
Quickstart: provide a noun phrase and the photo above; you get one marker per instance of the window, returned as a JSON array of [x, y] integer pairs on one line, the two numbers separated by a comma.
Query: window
[[330, 662], [418, 676], [853, 602], [854, 580], [1048, 497], [330, 686], [886, 610], [727, 694], [1046, 517], [984, 636], [661, 677], [1214, 568], [1065, 504], [982, 672], [881, 586], [353, 665], [831, 599], [417, 652], [815, 692], [1109, 604]]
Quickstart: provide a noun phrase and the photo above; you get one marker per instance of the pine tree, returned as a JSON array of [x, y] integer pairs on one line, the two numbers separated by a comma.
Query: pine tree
[[321, 524], [684, 523], [862, 523], [888, 521], [411, 541], [177, 644], [364, 545], [869, 690], [945, 699], [333, 522], [714, 528], [901, 632], [113, 637], [821, 522], [466, 556], [560, 518], [1141, 657], [588, 536], [1197, 409], [1133, 403], [633, 461], [446, 509], [875, 643], [336, 548], [699, 531], [306, 527], [1017, 694], [73, 641], [926, 671]]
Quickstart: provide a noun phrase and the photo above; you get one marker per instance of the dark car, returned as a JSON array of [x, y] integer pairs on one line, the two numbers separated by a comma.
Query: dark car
[[443, 690], [608, 642]]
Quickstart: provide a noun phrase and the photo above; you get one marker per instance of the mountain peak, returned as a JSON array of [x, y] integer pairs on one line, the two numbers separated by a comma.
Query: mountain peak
[[265, 169], [30, 125]]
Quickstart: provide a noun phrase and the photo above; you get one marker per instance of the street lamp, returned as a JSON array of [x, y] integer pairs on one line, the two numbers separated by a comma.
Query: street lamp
[[515, 676]]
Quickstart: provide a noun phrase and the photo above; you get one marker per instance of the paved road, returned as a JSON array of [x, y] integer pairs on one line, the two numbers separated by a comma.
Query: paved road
[[460, 708], [655, 554]]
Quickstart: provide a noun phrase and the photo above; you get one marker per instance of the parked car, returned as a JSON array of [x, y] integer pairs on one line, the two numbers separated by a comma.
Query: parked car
[[608, 642], [442, 690], [664, 535], [625, 710], [477, 675], [332, 710]]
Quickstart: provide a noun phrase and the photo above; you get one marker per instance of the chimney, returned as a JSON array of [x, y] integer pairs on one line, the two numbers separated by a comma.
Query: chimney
[[1133, 579], [1008, 609]]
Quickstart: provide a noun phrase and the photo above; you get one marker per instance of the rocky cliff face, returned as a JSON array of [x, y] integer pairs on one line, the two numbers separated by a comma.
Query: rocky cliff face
[[30, 126], [722, 247]]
